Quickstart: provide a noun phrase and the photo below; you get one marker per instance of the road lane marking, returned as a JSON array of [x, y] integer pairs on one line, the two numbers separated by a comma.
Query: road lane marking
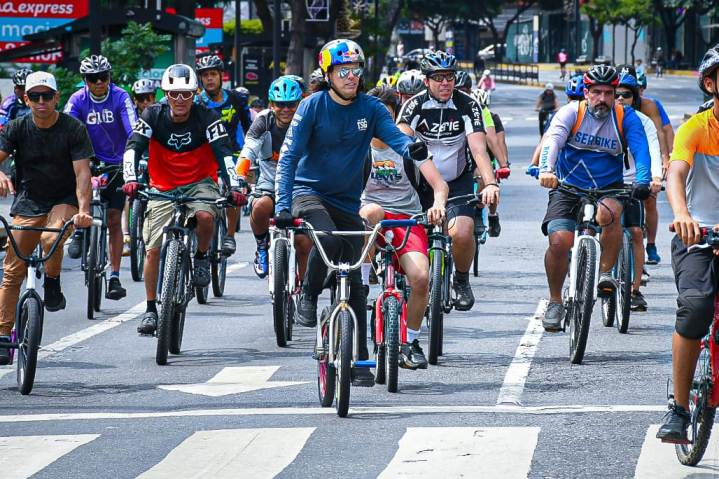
[[23, 456], [97, 328], [232, 453], [659, 461], [429, 452], [234, 380], [317, 411], [516, 376]]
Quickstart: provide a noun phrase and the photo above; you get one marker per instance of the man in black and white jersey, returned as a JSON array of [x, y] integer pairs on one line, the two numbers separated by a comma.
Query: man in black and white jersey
[[448, 121]]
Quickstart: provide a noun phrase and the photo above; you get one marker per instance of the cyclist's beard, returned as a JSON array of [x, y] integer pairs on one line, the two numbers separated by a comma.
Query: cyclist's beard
[[599, 114], [344, 97]]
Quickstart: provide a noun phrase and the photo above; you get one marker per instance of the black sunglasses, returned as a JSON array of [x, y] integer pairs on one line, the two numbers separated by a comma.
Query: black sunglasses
[[35, 96], [143, 97], [286, 104], [94, 77], [625, 94]]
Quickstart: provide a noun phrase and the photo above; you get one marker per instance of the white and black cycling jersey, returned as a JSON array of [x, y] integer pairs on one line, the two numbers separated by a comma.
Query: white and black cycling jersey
[[444, 127]]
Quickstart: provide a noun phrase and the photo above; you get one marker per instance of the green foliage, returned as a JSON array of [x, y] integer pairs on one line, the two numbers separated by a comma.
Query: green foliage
[[247, 27], [66, 83], [604, 12], [639, 13]]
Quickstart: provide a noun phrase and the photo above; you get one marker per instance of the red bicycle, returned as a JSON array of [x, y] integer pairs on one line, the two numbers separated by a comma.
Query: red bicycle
[[389, 315], [704, 393]]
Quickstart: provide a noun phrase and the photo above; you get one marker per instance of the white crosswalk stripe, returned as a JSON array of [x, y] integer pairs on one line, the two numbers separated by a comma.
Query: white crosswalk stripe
[[659, 461], [23, 456], [227, 453], [453, 452]]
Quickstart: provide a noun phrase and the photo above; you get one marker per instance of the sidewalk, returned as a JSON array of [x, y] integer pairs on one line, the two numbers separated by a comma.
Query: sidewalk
[[571, 67]]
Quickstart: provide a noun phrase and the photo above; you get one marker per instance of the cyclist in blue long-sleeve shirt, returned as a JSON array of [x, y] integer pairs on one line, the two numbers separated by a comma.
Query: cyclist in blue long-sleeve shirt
[[320, 173]]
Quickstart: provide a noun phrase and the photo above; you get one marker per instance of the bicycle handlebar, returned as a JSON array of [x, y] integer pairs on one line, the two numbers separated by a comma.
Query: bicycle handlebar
[[314, 234], [595, 192], [183, 199], [709, 238]]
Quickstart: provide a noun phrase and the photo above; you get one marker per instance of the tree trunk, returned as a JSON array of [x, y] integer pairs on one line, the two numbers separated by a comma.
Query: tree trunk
[[296, 50], [525, 6], [596, 29], [636, 32], [264, 14]]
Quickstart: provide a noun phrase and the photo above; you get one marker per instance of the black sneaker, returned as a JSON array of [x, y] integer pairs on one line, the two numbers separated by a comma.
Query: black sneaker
[[115, 290], [228, 245], [202, 272], [306, 311], [606, 286], [4, 352], [464, 296], [148, 323], [494, 227], [411, 356], [54, 299], [638, 302], [74, 250], [673, 428], [362, 377]]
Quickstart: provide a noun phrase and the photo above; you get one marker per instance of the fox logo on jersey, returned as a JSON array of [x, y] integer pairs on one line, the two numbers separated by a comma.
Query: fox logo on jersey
[[178, 141]]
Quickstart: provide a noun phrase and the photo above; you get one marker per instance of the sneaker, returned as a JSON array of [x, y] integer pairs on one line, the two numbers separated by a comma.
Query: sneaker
[[4, 352], [306, 311], [148, 323], [553, 317], [115, 290], [607, 286], [638, 302], [673, 428], [126, 246], [228, 245], [494, 227], [74, 250], [54, 299], [464, 297], [261, 262], [411, 356], [652, 255], [362, 377], [202, 272], [645, 277]]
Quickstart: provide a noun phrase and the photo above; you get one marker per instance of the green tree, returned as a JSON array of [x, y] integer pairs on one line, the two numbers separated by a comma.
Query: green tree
[[635, 15], [673, 13], [436, 14], [600, 13]]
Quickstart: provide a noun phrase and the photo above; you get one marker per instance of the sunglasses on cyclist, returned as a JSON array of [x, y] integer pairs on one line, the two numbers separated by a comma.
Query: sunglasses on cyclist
[[180, 95], [290, 105], [35, 96], [143, 97], [94, 77], [625, 94], [440, 77], [344, 72]]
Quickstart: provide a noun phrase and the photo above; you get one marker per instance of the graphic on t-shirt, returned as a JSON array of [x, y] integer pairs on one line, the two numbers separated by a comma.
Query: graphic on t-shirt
[[385, 171], [177, 141]]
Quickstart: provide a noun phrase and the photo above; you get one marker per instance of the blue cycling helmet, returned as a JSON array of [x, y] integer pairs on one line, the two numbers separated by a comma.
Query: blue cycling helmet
[[285, 89], [628, 80], [575, 88]]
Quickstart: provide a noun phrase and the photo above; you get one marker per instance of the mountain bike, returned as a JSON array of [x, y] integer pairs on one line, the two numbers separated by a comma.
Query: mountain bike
[[336, 344], [176, 281], [138, 207], [284, 281], [26, 335], [618, 305], [704, 392], [583, 275]]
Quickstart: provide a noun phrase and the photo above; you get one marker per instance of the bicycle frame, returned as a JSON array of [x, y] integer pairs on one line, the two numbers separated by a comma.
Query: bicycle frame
[[392, 286]]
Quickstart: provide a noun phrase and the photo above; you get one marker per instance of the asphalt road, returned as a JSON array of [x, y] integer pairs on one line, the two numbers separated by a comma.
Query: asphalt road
[[503, 402]]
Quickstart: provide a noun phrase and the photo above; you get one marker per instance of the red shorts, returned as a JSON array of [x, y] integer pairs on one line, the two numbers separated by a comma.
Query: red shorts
[[417, 240]]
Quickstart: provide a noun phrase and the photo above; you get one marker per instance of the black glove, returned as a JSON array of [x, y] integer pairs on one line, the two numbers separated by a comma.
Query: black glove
[[641, 192], [418, 151], [284, 219]]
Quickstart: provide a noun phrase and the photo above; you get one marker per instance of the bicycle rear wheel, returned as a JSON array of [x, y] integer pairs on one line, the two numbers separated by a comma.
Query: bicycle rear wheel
[[344, 363], [326, 372], [281, 297], [583, 301], [202, 292], [219, 263], [391, 311], [29, 343], [380, 351], [137, 244], [609, 310], [167, 298], [91, 272], [178, 318], [625, 265], [702, 416], [435, 307]]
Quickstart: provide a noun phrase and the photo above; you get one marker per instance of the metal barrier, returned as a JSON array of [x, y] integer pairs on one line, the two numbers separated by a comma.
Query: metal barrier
[[515, 72]]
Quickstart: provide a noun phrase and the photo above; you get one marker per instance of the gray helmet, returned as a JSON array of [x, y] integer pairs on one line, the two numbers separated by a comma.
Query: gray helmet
[[143, 86], [709, 63], [18, 78], [463, 80], [438, 61], [410, 82], [209, 62], [317, 75], [95, 64]]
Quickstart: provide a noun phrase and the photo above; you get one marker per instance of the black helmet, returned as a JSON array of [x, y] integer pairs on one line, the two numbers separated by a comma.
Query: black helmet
[[463, 80], [601, 75], [94, 64], [386, 95], [438, 61], [209, 62], [709, 63], [18, 78]]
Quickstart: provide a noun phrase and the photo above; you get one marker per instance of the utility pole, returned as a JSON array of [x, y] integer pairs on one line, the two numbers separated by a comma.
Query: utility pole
[[276, 26], [94, 17], [577, 30]]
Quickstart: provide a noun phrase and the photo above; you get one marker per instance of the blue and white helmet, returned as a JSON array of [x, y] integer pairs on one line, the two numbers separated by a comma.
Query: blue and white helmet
[[143, 86], [575, 88], [94, 64], [285, 89]]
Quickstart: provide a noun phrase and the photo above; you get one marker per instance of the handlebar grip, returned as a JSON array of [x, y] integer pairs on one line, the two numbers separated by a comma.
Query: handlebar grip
[[398, 223]]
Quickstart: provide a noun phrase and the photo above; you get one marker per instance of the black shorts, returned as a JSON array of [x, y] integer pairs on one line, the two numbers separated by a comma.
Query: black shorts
[[563, 210], [633, 214], [115, 199], [460, 186]]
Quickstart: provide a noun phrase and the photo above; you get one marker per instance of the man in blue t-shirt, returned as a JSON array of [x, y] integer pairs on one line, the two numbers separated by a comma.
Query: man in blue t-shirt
[[320, 174]]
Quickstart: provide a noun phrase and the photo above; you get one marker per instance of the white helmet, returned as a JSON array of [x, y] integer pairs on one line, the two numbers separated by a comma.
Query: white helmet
[[549, 86], [179, 77], [410, 82], [482, 96], [486, 73], [143, 86]]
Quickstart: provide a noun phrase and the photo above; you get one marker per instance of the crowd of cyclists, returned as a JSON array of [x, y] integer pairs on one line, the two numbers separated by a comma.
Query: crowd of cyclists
[[344, 160]]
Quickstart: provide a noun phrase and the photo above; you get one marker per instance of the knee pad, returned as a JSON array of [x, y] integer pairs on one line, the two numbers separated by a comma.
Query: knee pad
[[695, 312]]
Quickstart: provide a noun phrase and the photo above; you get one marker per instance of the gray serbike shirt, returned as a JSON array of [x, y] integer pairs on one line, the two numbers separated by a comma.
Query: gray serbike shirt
[[388, 185]]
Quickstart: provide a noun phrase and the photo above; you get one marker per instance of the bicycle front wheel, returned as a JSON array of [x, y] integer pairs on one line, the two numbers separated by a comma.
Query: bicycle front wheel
[[94, 285], [137, 244], [219, 263], [280, 303], [702, 416], [625, 264], [171, 282], [583, 301], [326, 372], [344, 363], [180, 307], [29, 343], [435, 307], [392, 312]]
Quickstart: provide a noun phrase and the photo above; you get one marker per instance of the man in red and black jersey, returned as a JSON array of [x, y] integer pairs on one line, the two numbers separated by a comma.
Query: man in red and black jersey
[[183, 138]]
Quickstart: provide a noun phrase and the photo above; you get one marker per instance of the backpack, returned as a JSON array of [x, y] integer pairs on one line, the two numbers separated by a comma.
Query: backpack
[[618, 120]]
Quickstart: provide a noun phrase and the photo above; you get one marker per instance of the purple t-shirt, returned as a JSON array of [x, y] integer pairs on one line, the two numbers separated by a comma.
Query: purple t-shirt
[[108, 122]]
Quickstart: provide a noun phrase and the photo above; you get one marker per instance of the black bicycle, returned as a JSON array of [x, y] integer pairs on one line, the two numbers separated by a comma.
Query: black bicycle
[[137, 219], [176, 281], [26, 335]]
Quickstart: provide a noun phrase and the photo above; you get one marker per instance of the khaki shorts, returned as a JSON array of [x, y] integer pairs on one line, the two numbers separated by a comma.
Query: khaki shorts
[[159, 213]]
